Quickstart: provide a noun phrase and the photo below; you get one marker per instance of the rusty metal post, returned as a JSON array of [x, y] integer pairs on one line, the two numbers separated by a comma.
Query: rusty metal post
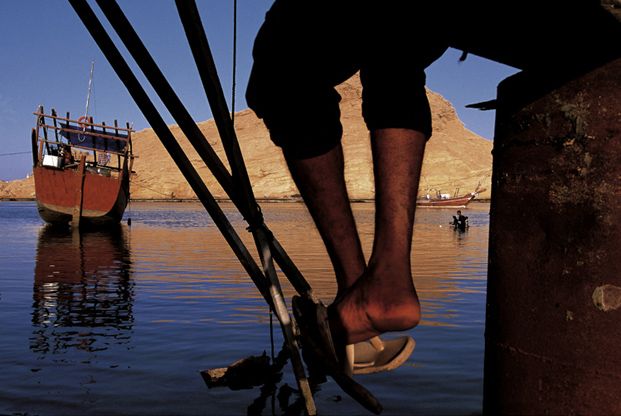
[[553, 330]]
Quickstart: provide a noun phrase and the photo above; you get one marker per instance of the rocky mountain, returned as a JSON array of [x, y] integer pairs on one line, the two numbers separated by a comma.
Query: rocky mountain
[[456, 159]]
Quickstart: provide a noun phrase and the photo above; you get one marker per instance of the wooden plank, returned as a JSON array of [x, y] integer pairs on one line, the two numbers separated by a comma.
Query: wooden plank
[[55, 125], [33, 143], [79, 194], [90, 133]]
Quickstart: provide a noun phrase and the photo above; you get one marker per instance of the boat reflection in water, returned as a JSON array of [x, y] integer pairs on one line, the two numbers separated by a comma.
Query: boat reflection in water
[[83, 290]]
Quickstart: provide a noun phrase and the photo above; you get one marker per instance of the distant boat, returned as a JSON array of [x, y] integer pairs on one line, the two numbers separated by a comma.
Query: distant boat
[[440, 200], [81, 169]]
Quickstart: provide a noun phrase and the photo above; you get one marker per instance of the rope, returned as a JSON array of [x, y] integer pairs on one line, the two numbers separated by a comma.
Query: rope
[[258, 221], [259, 218], [15, 153], [234, 62]]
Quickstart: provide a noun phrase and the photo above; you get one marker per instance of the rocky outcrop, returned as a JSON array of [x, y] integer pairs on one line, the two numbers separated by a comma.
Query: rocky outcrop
[[18, 189], [456, 158]]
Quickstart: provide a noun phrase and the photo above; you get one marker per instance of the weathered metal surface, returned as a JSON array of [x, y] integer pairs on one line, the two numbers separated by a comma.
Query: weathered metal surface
[[554, 286]]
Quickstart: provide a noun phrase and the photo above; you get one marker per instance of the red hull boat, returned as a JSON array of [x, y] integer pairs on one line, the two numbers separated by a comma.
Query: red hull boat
[[81, 170], [445, 201]]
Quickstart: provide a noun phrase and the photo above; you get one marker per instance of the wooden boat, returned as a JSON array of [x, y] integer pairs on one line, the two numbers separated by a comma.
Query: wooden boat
[[446, 201], [81, 169]]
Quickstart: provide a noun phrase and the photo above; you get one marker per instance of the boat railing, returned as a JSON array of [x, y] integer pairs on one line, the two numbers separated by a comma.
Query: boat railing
[[86, 122], [96, 141], [67, 128]]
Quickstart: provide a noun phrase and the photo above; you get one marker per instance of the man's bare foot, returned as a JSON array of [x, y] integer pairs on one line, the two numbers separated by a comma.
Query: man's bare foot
[[382, 300]]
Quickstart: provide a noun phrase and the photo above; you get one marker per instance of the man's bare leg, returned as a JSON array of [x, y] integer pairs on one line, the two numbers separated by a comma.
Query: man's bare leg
[[321, 183], [384, 299]]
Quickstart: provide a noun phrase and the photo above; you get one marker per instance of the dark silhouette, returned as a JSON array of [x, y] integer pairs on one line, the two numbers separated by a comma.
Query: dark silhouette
[[460, 222]]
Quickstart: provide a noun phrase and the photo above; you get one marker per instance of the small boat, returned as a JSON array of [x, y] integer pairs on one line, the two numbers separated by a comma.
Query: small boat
[[440, 200], [81, 169]]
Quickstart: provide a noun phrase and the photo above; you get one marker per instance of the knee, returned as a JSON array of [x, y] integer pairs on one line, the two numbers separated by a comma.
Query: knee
[[303, 120]]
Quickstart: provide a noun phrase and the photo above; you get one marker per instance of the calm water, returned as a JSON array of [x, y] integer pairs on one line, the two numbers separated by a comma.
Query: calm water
[[122, 322]]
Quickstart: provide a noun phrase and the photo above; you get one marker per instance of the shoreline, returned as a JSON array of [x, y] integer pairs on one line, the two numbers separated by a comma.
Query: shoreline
[[267, 200]]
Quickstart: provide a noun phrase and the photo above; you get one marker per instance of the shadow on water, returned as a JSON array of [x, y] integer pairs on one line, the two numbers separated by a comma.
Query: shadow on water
[[83, 290]]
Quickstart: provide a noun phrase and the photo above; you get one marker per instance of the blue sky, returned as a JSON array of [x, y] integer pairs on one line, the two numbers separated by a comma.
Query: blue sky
[[46, 53]]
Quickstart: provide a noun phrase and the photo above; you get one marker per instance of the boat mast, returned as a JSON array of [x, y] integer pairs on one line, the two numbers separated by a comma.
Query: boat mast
[[88, 95]]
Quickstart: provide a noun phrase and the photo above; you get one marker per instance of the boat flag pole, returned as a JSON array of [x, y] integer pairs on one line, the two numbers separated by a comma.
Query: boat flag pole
[[90, 85]]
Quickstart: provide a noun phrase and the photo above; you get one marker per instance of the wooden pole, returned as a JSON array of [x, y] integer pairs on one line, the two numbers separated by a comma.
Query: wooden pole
[[94, 140], [79, 194], [97, 31], [162, 87], [240, 186], [34, 147], [199, 45], [55, 124], [41, 124], [268, 287]]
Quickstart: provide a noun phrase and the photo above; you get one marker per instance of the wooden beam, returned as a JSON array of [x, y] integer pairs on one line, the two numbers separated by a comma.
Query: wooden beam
[[79, 194]]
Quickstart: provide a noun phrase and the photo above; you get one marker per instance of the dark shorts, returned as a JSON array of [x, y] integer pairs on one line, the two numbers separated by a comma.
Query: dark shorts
[[306, 48]]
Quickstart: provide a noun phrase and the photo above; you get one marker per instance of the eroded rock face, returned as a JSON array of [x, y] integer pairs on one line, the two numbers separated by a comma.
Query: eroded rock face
[[18, 189], [455, 158]]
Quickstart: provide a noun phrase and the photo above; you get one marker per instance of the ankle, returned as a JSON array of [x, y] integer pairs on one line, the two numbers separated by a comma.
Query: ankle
[[391, 273]]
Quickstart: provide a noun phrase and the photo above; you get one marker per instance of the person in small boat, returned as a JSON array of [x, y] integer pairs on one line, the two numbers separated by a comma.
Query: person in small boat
[[292, 88], [460, 222]]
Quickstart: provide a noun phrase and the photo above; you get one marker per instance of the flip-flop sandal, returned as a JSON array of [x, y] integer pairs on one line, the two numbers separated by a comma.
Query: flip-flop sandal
[[376, 355], [312, 320]]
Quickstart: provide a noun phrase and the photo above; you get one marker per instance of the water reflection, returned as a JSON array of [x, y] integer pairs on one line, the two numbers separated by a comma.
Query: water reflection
[[189, 262], [92, 321], [445, 262], [83, 290]]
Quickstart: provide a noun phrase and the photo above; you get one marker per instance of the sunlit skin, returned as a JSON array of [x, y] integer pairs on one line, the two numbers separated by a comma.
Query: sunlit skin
[[379, 297]]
